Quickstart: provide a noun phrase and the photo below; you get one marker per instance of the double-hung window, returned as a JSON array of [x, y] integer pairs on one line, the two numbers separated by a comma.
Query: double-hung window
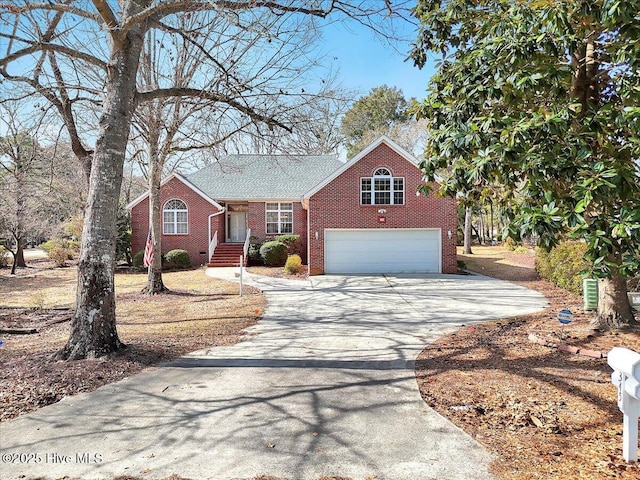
[[175, 218], [279, 217], [382, 189]]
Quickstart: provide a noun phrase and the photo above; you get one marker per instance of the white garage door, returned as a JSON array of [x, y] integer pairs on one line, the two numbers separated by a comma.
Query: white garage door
[[382, 251]]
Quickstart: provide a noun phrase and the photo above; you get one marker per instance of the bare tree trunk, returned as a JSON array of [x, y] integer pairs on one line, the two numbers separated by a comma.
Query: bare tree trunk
[[492, 223], [13, 266], [614, 310], [19, 260], [93, 328], [154, 280], [467, 232], [21, 202]]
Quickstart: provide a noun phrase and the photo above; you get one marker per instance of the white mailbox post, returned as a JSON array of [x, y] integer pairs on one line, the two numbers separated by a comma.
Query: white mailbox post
[[626, 376]]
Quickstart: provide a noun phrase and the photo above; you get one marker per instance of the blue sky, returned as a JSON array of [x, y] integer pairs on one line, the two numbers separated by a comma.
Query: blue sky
[[366, 61]]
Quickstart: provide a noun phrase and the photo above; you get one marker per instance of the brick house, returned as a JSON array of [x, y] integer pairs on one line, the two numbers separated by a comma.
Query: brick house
[[362, 216]]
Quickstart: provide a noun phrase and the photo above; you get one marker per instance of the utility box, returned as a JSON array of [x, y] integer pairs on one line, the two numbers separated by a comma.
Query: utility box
[[590, 293]]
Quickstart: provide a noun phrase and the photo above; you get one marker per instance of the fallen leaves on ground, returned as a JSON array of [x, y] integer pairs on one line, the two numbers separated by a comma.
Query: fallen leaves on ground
[[544, 413], [198, 312]]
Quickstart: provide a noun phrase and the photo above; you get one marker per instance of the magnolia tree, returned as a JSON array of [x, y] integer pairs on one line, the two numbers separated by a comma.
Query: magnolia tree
[[79, 54], [542, 97]]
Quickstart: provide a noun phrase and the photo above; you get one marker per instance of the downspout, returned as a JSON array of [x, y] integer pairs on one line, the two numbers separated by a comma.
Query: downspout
[[224, 209], [305, 205]]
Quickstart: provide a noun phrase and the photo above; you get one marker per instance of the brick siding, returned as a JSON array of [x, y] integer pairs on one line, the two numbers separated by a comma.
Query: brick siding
[[199, 209], [337, 205]]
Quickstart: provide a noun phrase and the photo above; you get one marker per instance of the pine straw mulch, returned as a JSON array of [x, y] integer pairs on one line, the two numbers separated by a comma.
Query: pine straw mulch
[[278, 272], [543, 412], [199, 312]]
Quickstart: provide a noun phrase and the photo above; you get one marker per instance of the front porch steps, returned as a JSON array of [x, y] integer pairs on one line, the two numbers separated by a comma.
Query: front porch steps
[[227, 255]]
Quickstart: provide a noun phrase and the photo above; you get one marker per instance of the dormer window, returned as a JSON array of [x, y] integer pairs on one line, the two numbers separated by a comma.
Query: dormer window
[[382, 188]]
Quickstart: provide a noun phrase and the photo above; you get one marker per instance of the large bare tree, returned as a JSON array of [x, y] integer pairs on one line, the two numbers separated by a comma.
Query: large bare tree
[[50, 47], [32, 172]]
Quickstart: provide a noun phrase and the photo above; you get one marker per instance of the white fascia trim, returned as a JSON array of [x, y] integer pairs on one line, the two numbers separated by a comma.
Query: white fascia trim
[[383, 139], [177, 176]]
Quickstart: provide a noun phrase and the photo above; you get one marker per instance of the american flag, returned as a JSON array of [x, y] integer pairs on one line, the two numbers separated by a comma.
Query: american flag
[[148, 249]]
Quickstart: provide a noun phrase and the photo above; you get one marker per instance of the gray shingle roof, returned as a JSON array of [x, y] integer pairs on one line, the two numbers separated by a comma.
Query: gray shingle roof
[[258, 177]]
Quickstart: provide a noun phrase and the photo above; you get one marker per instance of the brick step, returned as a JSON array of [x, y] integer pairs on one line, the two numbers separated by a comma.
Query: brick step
[[227, 255]]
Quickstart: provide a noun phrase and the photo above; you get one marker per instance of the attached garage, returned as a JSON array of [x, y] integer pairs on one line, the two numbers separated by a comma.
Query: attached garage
[[389, 250]]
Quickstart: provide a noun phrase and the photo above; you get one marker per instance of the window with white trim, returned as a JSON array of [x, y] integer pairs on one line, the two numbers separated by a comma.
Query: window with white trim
[[382, 189], [175, 218], [279, 217]]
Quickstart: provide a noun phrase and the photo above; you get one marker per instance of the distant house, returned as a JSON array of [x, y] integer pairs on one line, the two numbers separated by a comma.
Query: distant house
[[363, 216]]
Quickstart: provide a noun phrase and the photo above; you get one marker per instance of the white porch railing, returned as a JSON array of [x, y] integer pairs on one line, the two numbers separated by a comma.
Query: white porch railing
[[245, 249], [212, 245]]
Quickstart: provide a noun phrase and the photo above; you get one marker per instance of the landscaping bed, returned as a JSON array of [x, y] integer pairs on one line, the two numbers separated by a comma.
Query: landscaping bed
[[543, 412]]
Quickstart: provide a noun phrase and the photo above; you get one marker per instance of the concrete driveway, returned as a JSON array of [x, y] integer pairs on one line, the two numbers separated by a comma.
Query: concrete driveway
[[324, 386]]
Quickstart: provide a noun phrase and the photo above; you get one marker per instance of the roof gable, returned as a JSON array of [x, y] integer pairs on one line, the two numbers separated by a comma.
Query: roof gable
[[383, 139], [182, 179]]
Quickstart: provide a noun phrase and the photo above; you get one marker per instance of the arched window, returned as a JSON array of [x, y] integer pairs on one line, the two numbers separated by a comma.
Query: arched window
[[382, 172], [175, 218], [382, 188]]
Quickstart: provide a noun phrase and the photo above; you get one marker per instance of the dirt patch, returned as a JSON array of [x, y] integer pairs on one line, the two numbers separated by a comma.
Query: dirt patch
[[198, 312], [543, 412]]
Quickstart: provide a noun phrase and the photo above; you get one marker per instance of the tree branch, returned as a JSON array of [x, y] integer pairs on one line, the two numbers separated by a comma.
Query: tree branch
[[160, 10], [106, 13], [53, 6], [143, 97], [51, 47]]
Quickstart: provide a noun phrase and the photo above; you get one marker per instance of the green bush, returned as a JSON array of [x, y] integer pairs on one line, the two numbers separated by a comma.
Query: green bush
[[562, 265], [177, 259], [274, 254], [137, 259], [293, 243], [4, 257], [521, 249], [293, 265], [254, 251], [47, 246], [60, 243]]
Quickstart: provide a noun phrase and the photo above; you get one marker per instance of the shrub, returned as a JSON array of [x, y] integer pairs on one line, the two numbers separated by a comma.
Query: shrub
[[274, 254], [562, 265], [47, 246], [292, 242], [59, 255], [177, 259], [293, 265], [254, 251], [4, 257], [71, 245], [521, 249], [511, 244], [137, 259]]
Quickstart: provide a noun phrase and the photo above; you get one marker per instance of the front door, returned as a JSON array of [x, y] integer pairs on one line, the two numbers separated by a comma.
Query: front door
[[237, 226]]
